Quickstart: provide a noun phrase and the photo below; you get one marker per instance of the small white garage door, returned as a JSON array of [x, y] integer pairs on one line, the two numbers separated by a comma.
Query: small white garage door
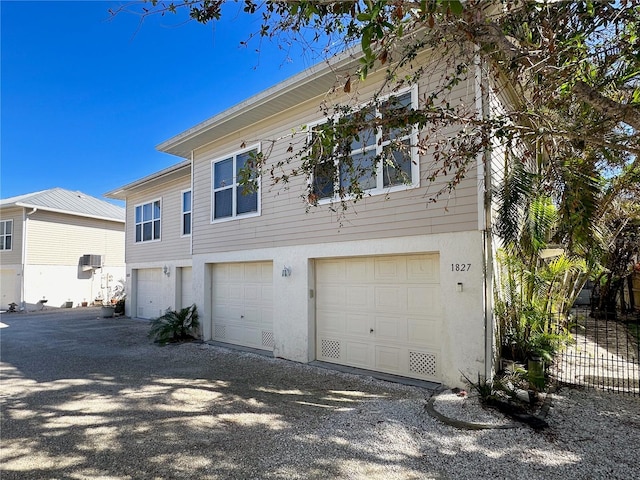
[[9, 288], [148, 297], [243, 303], [186, 287], [380, 313]]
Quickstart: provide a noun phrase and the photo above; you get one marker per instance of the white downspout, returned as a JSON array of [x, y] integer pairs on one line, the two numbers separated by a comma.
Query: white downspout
[[192, 213], [484, 220]]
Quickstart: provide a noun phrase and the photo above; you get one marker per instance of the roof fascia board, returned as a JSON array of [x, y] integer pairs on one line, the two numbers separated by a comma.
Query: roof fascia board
[[68, 212]]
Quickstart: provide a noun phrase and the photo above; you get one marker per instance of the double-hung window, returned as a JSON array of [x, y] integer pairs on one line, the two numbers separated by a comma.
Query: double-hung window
[[6, 234], [229, 198], [186, 212], [376, 159], [147, 218]]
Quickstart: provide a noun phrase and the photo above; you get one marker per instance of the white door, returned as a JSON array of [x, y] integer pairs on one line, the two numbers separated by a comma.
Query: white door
[[149, 293], [380, 313], [9, 288], [242, 304], [186, 287]]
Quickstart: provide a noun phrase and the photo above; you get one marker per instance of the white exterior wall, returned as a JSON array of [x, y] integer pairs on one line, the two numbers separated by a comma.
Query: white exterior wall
[[462, 333], [61, 283]]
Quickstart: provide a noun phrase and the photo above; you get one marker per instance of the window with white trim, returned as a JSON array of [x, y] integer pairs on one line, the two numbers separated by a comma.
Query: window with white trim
[[147, 220], [186, 212], [396, 168], [229, 198], [6, 234]]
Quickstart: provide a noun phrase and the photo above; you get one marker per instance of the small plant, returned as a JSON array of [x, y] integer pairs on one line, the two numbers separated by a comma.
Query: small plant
[[484, 387], [175, 326]]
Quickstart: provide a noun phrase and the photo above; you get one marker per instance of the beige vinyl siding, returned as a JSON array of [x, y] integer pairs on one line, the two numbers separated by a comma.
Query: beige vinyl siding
[[60, 239], [283, 220], [13, 256], [172, 245]]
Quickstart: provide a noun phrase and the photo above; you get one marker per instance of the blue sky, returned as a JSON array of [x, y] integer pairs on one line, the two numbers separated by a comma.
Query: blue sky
[[86, 97]]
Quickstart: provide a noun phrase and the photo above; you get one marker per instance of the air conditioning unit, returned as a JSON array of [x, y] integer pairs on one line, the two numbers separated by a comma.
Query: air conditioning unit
[[89, 262]]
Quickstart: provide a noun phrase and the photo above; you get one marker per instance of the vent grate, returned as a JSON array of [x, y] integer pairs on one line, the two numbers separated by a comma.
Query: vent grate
[[267, 339], [423, 363], [221, 331], [330, 348]]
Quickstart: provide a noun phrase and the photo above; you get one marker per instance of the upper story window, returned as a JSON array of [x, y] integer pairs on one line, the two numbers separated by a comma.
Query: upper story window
[[148, 222], [229, 198], [186, 212], [6, 234], [389, 148]]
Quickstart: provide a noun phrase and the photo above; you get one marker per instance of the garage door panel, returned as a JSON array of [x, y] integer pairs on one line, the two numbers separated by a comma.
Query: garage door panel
[[356, 271], [388, 358], [423, 269], [389, 269], [390, 328], [332, 296], [243, 304], [390, 299], [357, 354], [334, 322], [378, 312], [357, 324]]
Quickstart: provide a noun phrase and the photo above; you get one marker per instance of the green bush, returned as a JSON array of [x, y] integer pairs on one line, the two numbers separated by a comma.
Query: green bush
[[175, 326]]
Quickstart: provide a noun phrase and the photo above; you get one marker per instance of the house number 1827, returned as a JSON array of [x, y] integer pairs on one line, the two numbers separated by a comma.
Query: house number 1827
[[460, 267]]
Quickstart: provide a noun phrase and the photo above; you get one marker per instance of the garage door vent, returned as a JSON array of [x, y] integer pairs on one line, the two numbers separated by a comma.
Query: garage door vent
[[330, 348], [267, 339], [422, 363], [221, 331]]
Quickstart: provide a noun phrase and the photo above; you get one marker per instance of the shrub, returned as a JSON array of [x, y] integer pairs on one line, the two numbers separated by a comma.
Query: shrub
[[175, 326]]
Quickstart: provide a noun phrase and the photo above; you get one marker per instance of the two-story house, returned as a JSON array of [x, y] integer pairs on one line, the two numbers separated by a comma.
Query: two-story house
[[399, 286], [60, 246]]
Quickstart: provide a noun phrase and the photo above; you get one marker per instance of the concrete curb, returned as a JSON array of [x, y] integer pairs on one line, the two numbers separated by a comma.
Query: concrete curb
[[463, 425]]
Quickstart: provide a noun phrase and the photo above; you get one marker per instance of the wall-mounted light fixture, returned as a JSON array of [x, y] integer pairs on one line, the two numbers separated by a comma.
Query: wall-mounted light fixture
[[286, 272], [459, 287], [166, 270]]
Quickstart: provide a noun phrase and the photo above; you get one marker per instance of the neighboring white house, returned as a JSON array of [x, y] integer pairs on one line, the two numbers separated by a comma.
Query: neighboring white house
[[398, 287], [60, 246]]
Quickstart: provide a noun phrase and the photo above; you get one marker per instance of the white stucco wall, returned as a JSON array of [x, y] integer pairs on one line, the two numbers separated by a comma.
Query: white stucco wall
[[61, 283], [463, 320]]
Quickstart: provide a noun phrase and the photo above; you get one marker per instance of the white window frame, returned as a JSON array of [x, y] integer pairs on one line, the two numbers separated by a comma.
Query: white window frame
[[5, 235], [234, 187], [379, 189], [142, 222], [184, 212]]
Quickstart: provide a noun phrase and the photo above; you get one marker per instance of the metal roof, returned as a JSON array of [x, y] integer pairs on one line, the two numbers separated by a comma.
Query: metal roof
[[65, 201]]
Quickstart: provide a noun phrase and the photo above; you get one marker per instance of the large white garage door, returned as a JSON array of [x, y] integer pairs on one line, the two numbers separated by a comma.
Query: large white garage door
[[243, 303], [380, 313], [149, 288], [186, 287]]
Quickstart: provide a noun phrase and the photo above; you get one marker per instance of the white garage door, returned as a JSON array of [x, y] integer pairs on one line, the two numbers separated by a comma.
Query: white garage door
[[380, 313], [186, 287], [149, 298], [242, 304], [9, 288]]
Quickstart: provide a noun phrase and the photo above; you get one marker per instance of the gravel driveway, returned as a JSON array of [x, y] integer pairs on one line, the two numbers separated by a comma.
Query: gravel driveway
[[91, 398]]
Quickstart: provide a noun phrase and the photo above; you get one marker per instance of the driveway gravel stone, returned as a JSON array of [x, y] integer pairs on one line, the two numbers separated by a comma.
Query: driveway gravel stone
[[92, 398]]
